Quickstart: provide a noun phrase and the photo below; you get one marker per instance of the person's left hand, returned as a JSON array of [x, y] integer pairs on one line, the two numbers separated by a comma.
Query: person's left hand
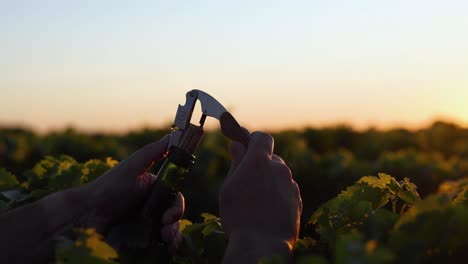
[[126, 186]]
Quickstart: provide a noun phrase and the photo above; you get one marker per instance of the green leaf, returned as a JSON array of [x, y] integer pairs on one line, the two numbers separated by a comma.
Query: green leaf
[[405, 190], [351, 209], [377, 225], [352, 248], [458, 190], [304, 244], [88, 248], [211, 227], [462, 197], [380, 182], [7, 180], [95, 168], [209, 218], [434, 229], [183, 223], [430, 204]]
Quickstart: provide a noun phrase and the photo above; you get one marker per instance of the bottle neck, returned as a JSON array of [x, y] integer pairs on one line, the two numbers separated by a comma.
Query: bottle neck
[[181, 158]]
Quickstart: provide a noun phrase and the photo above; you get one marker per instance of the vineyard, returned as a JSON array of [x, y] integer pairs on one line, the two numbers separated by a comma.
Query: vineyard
[[373, 196]]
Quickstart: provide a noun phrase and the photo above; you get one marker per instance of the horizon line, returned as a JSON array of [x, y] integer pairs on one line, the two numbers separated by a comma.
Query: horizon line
[[324, 125]]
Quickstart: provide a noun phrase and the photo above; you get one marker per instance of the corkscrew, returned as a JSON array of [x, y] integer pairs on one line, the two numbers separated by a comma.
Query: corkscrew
[[185, 138]]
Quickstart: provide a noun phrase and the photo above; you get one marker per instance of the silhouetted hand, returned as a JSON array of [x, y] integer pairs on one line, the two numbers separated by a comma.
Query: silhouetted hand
[[28, 232], [127, 185], [260, 203]]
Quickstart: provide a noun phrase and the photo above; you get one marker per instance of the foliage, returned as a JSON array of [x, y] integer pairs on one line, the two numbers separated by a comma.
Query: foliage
[[417, 215], [357, 227], [89, 247]]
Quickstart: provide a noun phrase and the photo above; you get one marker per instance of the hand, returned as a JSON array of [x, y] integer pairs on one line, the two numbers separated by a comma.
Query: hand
[[259, 201], [96, 204], [170, 232], [126, 187]]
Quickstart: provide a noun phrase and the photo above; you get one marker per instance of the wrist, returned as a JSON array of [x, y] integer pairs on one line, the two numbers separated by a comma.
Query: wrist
[[93, 194], [88, 199], [61, 209], [96, 195], [253, 246]]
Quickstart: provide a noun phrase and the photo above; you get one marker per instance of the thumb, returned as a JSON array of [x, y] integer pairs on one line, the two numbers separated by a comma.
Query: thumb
[[237, 151], [143, 159]]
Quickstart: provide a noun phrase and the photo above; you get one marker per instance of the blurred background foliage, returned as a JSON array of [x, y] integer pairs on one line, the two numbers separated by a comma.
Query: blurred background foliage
[[324, 161], [415, 211]]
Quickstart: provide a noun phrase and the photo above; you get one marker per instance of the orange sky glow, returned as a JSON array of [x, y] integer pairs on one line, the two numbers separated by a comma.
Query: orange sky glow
[[114, 66]]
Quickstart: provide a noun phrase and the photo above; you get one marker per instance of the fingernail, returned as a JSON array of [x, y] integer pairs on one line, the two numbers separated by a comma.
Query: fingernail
[[145, 180]]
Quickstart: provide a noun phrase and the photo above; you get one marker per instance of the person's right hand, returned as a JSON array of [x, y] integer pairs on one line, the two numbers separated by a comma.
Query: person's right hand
[[259, 200]]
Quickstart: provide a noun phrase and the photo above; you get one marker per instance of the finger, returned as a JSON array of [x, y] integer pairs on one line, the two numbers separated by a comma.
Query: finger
[[237, 151], [176, 212], [176, 242], [246, 132], [277, 158], [146, 180], [297, 191], [142, 159], [282, 170], [168, 232], [261, 146]]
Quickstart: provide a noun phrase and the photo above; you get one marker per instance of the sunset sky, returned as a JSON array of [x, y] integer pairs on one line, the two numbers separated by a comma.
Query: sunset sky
[[115, 65]]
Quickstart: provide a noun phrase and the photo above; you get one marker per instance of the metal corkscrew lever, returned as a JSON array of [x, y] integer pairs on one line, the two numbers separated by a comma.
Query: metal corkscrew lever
[[185, 138]]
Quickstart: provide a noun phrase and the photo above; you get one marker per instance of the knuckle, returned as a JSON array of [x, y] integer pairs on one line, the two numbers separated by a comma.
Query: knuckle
[[297, 190], [257, 158], [277, 158], [283, 170], [260, 157], [262, 137], [265, 137]]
